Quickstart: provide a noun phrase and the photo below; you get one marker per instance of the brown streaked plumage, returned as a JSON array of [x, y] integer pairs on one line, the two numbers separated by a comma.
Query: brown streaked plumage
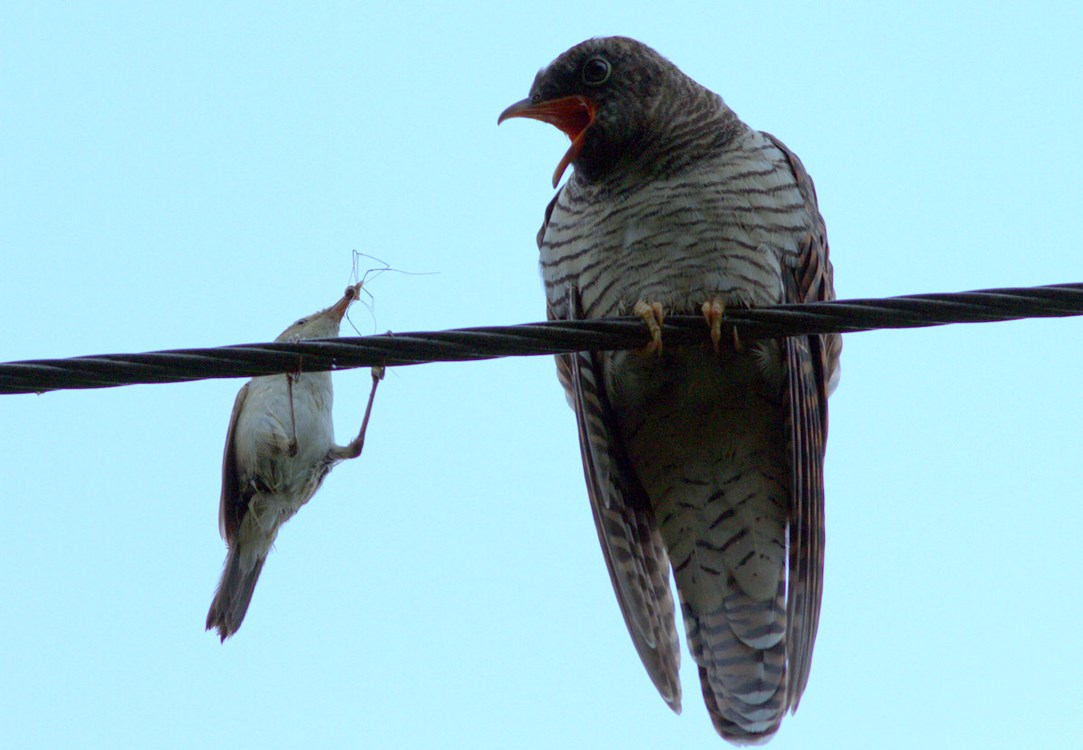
[[711, 461]]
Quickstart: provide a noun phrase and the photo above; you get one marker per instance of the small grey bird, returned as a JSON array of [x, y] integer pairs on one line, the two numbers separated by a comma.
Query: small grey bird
[[279, 448], [707, 457]]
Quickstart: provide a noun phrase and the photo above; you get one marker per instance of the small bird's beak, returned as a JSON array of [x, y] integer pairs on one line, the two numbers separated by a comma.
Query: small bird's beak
[[338, 310], [571, 114]]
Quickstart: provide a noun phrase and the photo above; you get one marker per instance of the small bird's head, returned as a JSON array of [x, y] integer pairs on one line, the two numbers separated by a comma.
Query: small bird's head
[[614, 97], [325, 323]]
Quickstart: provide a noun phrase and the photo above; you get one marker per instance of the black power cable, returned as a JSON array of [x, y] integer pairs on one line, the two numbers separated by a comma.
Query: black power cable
[[532, 339]]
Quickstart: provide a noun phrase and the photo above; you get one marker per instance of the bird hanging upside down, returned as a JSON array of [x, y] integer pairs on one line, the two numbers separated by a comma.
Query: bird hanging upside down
[[279, 448], [709, 459]]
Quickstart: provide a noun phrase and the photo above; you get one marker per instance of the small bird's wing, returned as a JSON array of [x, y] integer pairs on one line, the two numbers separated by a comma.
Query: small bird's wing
[[811, 363], [231, 506], [631, 542]]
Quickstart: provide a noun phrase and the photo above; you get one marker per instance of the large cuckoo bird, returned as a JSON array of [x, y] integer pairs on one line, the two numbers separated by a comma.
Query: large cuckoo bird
[[707, 458]]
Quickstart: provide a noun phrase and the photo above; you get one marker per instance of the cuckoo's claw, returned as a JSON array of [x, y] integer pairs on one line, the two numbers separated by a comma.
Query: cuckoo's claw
[[714, 310], [653, 315]]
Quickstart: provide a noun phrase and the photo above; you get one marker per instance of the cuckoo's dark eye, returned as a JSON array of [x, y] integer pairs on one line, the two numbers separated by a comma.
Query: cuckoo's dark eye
[[596, 71]]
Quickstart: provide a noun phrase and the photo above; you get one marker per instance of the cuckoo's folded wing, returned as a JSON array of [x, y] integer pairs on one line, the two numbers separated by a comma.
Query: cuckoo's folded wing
[[811, 372], [631, 542]]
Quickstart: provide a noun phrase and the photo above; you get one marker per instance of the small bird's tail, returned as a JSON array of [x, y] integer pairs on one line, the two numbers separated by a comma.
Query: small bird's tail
[[234, 593]]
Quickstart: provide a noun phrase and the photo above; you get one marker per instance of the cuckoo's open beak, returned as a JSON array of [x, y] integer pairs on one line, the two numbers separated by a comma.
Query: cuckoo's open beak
[[571, 114]]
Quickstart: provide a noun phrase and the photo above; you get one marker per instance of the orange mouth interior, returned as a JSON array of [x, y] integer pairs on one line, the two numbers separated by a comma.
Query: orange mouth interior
[[570, 114]]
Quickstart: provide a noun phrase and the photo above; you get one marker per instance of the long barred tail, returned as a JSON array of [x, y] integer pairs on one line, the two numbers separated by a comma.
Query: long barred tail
[[234, 593]]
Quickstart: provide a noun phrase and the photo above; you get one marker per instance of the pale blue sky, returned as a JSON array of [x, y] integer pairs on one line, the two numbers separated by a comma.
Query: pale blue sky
[[199, 175]]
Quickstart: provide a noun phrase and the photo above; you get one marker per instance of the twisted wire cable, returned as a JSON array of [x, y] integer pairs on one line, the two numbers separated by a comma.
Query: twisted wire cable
[[533, 339]]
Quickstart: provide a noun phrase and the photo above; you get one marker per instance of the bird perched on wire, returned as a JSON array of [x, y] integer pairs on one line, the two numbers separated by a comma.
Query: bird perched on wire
[[279, 448], [707, 458]]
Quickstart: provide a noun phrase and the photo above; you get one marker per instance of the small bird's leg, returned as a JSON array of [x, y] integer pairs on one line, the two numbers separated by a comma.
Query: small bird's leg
[[653, 315], [354, 447], [714, 310], [293, 422]]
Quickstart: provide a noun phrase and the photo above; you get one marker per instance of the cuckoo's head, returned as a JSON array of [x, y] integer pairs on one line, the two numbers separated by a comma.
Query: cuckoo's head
[[612, 96]]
